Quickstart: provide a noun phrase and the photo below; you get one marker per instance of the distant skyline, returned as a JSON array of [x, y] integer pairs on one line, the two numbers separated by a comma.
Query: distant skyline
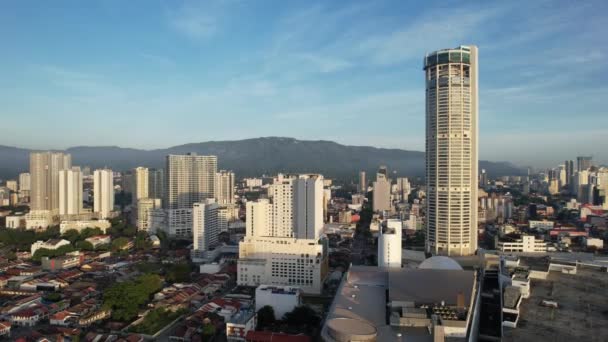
[[153, 74]]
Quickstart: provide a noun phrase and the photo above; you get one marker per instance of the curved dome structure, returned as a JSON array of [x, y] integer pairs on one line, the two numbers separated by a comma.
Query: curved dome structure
[[350, 329], [440, 263]]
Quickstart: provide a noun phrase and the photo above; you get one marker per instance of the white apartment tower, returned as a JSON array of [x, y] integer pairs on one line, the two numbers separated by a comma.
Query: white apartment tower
[[44, 179], [141, 184], [389, 247], [205, 227], [308, 200], [451, 150], [103, 189], [258, 219], [190, 179], [24, 181], [70, 191], [224, 187], [156, 183]]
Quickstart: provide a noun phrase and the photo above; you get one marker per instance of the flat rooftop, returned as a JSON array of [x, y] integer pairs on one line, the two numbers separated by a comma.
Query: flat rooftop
[[582, 314]]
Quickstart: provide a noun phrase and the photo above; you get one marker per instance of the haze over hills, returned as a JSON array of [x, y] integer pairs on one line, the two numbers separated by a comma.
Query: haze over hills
[[253, 157]]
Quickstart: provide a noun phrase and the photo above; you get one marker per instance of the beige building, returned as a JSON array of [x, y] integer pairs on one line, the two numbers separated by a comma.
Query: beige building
[[382, 193], [144, 211], [282, 261], [451, 150], [224, 187], [44, 179], [141, 184], [190, 179]]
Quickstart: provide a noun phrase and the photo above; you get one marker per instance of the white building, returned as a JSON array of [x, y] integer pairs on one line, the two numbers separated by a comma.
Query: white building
[[80, 225], [253, 182], [99, 240], [224, 187], [179, 223], [103, 189], [282, 299], [282, 261], [524, 244], [205, 227], [44, 179], [15, 221], [144, 209], [594, 242], [52, 244], [156, 183], [36, 219], [142, 184], [70, 191], [541, 225], [190, 179], [308, 206], [258, 218], [389, 245], [239, 324], [451, 150]]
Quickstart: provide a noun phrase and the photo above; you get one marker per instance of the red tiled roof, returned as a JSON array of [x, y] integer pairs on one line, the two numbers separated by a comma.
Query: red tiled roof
[[268, 336]]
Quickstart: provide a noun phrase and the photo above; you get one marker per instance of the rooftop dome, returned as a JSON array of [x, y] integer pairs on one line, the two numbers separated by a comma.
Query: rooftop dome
[[440, 263]]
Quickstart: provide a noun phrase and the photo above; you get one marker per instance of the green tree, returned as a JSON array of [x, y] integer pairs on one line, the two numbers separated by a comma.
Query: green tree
[[208, 330], [265, 317], [84, 246], [71, 235], [302, 315], [179, 273], [119, 243], [142, 242], [88, 232], [125, 299]]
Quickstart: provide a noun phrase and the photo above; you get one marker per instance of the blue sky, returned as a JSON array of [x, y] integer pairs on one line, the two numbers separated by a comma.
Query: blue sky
[[151, 74]]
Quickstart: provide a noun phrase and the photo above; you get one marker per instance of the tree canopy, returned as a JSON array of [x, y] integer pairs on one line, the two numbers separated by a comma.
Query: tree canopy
[[125, 299]]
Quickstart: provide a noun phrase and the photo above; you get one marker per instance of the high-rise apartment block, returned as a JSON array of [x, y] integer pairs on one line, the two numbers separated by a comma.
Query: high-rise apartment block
[[70, 191], [103, 189], [156, 183], [190, 179], [382, 192], [451, 150], [224, 187], [281, 246], [205, 227], [141, 184], [145, 206], [362, 186], [583, 163], [44, 179]]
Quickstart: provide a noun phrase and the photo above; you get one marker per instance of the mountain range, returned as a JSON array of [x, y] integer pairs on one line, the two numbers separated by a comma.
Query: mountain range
[[254, 157]]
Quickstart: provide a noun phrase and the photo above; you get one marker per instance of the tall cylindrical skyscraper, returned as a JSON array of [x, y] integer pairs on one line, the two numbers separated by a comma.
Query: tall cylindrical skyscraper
[[451, 150]]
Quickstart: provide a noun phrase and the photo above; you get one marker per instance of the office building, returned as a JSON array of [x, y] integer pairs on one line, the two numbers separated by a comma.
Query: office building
[[362, 183], [483, 178], [103, 189], [190, 179], [224, 187], [282, 261], [142, 185], [70, 191], [156, 183], [451, 150], [382, 192], [44, 179], [145, 206], [583, 163], [205, 227]]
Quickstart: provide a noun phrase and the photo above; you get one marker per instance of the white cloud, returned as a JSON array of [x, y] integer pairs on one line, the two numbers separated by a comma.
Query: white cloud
[[198, 20]]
